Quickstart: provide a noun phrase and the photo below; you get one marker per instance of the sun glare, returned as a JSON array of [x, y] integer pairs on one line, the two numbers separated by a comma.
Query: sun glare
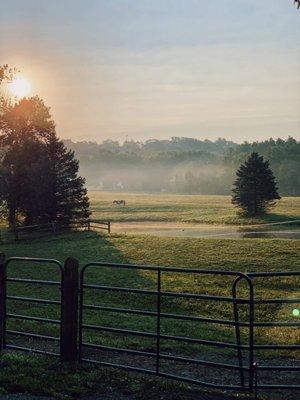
[[20, 87]]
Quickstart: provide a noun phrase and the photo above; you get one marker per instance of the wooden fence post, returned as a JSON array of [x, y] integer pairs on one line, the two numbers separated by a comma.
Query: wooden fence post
[[69, 320], [2, 300], [108, 227]]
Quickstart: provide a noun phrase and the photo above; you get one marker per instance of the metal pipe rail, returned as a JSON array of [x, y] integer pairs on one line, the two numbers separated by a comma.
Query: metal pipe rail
[[158, 315], [6, 315], [249, 374], [291, 347]]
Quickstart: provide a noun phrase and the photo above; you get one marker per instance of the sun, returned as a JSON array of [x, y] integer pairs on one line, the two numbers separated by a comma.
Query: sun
[[20, 87]]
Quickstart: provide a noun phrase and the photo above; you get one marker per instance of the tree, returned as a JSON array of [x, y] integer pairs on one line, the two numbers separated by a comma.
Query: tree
[[67, 196], [6, 73], [39, 173], [255, 189], [111, 145]]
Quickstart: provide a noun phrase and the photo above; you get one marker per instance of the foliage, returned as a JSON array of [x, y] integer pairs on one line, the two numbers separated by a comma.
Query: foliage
[[68, 199], [6, 73], [255, 189], [284, 157], [182, 165], [39, 175]]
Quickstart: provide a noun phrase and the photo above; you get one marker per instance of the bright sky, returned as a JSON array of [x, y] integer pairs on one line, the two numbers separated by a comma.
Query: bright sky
[[159, 68]]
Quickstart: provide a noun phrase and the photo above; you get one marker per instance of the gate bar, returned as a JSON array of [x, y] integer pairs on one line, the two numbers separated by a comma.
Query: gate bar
[[2, 300], [36, 300]]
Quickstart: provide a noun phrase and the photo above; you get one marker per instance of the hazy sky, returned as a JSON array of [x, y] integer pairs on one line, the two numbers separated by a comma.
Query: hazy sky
[[160, 68]]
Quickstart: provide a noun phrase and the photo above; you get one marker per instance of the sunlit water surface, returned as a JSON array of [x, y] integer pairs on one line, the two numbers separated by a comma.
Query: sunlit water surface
[[171, 229]]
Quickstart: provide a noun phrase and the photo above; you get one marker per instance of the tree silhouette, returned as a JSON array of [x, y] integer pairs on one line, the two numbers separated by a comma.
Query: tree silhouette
[[255, 189], [39, 174]]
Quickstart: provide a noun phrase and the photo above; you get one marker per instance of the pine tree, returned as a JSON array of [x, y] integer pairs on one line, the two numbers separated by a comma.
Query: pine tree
[[40, 175], [67, 196], [255, 189]]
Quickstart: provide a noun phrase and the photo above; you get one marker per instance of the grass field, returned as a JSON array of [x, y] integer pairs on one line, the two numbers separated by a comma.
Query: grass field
[[222, 254], [230, 254], [184, 208]]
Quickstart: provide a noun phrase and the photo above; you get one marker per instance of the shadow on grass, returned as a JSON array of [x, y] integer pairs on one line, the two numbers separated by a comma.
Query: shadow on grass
[[273, 217], [88, 247]]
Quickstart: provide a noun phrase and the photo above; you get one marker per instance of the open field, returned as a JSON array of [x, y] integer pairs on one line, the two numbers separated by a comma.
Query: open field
[[196, 209], [184, 208], [231, 254]]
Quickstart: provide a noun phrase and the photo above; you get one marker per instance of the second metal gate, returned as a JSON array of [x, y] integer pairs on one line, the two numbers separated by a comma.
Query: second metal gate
[[243, 370]]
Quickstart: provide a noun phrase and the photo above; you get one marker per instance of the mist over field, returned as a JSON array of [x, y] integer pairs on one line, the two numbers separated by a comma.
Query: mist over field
[[182, 165]]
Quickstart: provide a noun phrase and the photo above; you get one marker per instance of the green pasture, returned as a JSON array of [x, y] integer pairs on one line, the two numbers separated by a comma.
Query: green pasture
[[231, 254], [184, 208], [239, 255]]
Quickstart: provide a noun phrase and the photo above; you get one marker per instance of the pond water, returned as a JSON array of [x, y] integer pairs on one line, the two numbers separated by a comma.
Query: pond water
[[174, 229]]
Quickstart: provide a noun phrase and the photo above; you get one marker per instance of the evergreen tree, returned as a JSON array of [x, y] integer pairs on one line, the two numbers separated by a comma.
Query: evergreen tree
[[255, 189], [40, 175], [67, 196]]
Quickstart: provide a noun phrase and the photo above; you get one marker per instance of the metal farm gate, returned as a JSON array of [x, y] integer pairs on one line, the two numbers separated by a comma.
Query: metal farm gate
[[67, 285], [172, 340], [244, 372]]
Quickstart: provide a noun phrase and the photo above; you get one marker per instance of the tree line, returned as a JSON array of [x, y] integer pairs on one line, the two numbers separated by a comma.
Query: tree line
[[183, 165]]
